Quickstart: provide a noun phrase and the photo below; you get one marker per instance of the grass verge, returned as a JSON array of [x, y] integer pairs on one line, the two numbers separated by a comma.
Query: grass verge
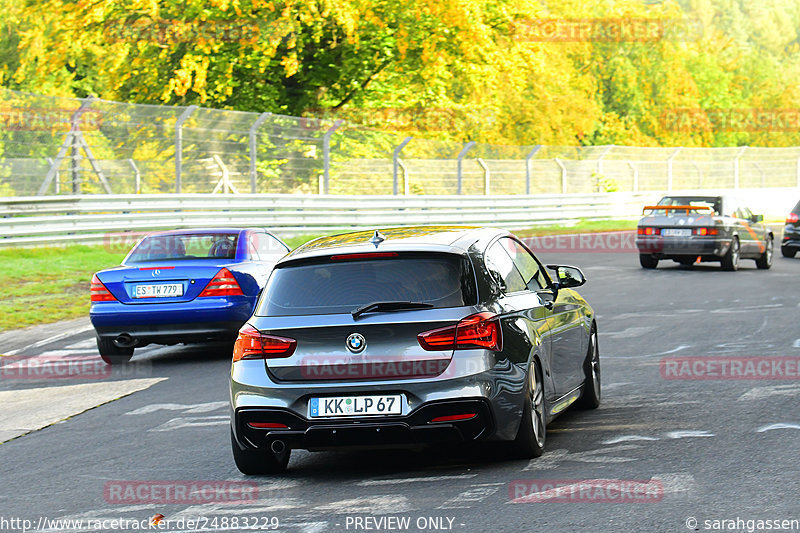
[[43, 285]]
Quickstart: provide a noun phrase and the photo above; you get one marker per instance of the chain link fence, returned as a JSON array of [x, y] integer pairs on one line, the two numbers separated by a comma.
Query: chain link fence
[[65, 146]]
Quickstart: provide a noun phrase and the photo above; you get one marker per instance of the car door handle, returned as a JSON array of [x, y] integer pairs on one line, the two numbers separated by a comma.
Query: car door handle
[[549, 304]]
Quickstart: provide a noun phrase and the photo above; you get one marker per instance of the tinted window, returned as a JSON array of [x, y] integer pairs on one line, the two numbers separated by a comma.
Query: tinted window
[[527, 265], [185, 246], [707, 201], [500, 263], [442, 280]]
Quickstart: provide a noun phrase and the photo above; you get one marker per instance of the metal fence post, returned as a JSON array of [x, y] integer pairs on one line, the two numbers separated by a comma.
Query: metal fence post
[[257, 124], [600, 159], [326, 155], [137, 176], [528, 167], [635, 176], [467, 148], [487, 177], [563, 175], [396, 163], [797, 172], [669, 168], [179, 145], [736, 167]]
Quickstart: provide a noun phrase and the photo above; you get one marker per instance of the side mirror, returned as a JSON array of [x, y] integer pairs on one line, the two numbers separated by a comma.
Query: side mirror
[[567, 276], [758, 218]]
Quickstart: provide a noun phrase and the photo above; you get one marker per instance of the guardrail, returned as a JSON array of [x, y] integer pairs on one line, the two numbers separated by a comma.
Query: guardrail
[[38, 220]]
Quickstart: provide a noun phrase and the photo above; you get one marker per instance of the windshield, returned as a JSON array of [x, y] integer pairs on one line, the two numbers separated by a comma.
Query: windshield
[[185, 246], [441, 280]]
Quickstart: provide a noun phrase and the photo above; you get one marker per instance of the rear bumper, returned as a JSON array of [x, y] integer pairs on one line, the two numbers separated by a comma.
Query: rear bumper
[[683, 246], [495, 395], [413, 430], [202, 320]]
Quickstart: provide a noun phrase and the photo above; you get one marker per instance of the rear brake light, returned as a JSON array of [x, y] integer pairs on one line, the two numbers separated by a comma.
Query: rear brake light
[[99, 292], [481, 330], [792, 218], [252, 344], [648, 231], [267, 425], [454, 418], [222, 284], [370, 255], [705, 231]]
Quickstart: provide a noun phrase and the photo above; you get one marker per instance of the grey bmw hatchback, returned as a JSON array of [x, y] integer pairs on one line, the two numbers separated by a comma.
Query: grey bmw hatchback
[[408, 337]]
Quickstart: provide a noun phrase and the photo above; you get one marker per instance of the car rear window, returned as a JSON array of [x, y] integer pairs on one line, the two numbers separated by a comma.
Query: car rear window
[[340, 286], [185, 246]]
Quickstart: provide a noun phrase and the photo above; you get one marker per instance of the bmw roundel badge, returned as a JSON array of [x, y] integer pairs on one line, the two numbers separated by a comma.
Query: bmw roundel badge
[[356, 343]]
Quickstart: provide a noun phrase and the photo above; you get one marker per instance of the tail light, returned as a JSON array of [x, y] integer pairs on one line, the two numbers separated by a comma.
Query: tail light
[[98, 292], [222, 284], [648, 231], [705, 231], [267, 425], [481, 330], [252, 344], [792, 218]]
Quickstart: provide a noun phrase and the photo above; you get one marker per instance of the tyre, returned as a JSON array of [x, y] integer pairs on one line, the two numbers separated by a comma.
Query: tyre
[[648, 261], [254, 462], [590, 397], [111, 353], [530, 438], [765, 261], [730, 261], [788, 252]]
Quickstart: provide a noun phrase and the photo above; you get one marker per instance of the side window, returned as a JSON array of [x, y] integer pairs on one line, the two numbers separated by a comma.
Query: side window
[[746, 213], [269, 248], [527, 265], [499, 262]]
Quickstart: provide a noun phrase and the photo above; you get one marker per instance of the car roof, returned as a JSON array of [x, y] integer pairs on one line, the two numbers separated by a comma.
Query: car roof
[[187, 231], [447, 239]]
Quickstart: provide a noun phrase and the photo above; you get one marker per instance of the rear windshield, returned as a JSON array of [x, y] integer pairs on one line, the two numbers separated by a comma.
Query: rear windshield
[[703, 201], [185, 246], [443, 280]]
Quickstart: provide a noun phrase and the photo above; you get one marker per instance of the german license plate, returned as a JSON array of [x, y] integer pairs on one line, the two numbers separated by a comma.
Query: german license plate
[[162, 290], [673, 232], [352, 406]]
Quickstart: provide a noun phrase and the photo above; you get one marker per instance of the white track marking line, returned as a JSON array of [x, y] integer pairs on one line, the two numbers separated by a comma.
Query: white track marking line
[[400, 481]]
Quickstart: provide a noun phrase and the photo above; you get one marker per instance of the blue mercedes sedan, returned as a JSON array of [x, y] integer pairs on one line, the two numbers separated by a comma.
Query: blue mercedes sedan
[[183, 286]]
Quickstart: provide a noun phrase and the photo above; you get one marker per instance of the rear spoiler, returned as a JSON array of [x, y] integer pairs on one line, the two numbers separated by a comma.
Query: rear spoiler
[[686, 208]]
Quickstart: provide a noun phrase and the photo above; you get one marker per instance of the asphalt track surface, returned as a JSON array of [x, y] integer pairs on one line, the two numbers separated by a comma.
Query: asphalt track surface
[[701, 449]]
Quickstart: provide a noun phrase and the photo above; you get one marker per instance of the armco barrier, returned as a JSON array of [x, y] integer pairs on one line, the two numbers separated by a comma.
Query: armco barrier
[[38, 220]]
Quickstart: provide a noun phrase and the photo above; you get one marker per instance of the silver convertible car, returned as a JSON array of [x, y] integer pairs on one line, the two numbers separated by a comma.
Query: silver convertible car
[[409, 337]]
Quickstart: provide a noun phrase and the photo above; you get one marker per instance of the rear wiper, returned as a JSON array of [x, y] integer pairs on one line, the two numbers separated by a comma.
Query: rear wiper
[[388, 306]]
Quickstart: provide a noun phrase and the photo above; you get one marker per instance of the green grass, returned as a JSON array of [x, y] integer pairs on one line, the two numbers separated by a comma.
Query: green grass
[[48, 284], [43, 285]]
